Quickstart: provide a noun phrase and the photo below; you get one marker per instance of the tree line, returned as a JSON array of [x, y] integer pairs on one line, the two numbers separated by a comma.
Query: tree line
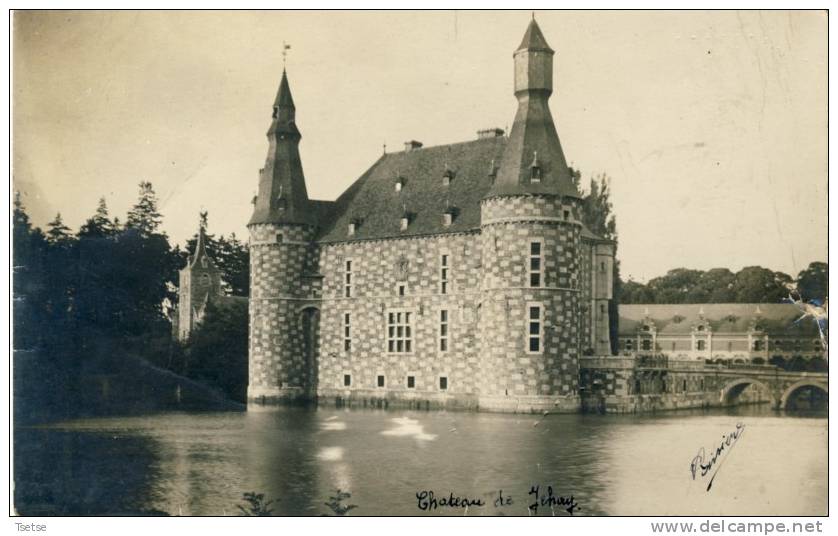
[[752, 284], [82, 299]]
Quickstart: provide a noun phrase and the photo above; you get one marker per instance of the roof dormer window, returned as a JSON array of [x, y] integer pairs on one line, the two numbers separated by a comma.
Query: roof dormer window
[[399, 183], [535, 169], [404, 221], [447, 176], [351, 230]]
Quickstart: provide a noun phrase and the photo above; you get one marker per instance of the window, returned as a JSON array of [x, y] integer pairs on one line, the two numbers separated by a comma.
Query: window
[[602, 308], [347, 332], [380, 381], [684, 386], [347, 380], [647, 344], [411, 382], [279, 238], [443, 383], [347, 279], [535, 173], [534, 331], [566, 215], [401, 288], [699, 345], [443, 330], [535, 264], [444, 266], [757, 346], [399, 339], [629, 344], [700, 328]]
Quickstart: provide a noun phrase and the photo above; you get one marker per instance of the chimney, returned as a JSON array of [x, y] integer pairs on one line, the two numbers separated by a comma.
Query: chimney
[[412, 145], [489, 133]]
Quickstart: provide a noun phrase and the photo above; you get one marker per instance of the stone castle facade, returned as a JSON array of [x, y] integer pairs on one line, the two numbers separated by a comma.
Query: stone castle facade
[[449, 276]]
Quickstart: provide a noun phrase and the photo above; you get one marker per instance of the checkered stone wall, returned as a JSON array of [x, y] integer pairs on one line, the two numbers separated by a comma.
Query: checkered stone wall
[[378, 269], [281, 287], [509, 371]]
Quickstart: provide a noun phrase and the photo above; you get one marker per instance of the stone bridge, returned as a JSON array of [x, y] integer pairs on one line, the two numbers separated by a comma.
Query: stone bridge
[[650, 383], [774, 383]]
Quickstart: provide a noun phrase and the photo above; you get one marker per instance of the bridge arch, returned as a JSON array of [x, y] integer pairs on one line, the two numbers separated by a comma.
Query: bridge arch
[[734, 388], [805, 382]]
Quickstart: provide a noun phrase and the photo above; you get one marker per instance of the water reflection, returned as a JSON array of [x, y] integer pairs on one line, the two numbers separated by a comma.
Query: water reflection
[[201, 464]]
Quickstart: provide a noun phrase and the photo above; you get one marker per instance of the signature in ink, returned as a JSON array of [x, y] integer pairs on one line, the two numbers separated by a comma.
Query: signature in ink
[[701, 464], [548, 499]]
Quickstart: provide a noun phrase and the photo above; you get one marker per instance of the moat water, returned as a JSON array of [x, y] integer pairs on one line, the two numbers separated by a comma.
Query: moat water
[[202, 463]]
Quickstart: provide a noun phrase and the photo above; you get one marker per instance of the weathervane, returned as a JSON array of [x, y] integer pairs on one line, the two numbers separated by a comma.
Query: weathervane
[[285, 48]]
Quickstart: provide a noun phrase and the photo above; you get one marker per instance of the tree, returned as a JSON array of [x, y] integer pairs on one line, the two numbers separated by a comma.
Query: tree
[[58, 233], [100, 224], [675, 286], [144, 216], [813, 282], [718, 284], [216, 352], [634, 292], [755, 284]]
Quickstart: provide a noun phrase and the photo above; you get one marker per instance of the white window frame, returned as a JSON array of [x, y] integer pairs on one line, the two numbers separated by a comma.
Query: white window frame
[[444, 331], [402, 318], [347, 331], [528, 327], [444, 272], [530, 258], [347, 278]]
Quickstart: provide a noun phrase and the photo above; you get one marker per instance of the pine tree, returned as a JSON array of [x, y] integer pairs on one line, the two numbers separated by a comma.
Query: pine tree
[[144, 216], [100, 223], [58, 233]]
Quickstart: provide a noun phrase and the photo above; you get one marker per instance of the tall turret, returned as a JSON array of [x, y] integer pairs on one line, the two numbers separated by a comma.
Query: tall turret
[[530, 240], [282, 196], [533, 161], [282, 228]]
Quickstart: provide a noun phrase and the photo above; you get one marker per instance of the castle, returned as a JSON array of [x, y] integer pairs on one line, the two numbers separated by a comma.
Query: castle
[[451, 276]]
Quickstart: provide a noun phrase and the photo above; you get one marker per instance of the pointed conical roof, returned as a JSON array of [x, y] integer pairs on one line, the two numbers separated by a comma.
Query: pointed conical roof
[[282, 196], [534, 39], [201, 252], [283, 94], [533, 161]]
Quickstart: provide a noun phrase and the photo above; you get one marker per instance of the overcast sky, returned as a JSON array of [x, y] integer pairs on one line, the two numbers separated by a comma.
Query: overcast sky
[[711, 125]]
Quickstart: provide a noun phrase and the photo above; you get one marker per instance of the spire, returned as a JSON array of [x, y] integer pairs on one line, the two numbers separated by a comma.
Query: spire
[[534, 39], [282, 196], [200, 257], [283, 94], [533, 161]]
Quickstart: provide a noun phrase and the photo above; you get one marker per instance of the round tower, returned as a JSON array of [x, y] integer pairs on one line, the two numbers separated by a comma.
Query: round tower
[[282, 358], [531, 248]]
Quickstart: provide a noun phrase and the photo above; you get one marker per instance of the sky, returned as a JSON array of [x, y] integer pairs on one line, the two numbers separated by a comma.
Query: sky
[[712, 126]]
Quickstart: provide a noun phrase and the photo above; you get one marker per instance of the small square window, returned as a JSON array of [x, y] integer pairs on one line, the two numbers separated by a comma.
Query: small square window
[[347, 380], [279, 238], [411, 382], [443, 383], [566, 215], [380, 381]]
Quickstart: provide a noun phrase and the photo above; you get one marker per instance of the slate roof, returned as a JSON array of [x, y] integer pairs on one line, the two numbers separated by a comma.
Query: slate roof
[[534, 40], [774, 318], [374, 201]]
